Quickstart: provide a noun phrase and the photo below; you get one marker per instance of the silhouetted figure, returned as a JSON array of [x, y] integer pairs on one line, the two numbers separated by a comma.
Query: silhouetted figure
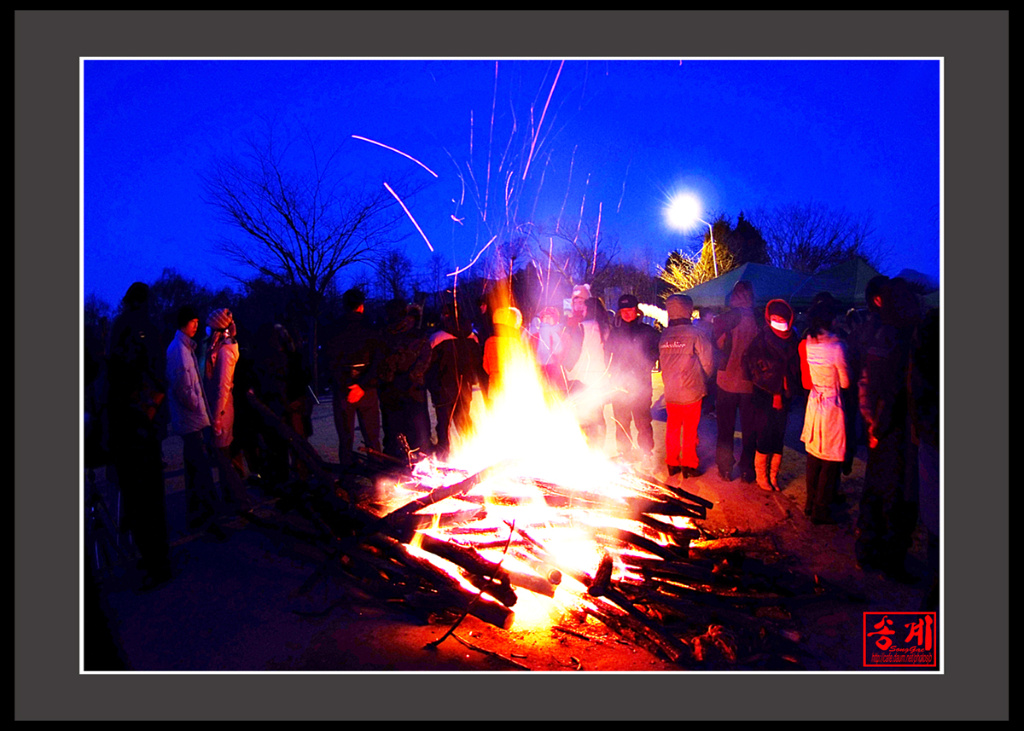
[[270, 368], [861, 330], [136, 391], [354, 356], [889, 502], [453, 370], [402, 387], [924, 404]]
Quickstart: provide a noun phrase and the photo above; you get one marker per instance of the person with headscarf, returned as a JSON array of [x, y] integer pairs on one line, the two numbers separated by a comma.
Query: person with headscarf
[[732, 333], [687, 361], [824, 374], [221, 360], [772, 365]]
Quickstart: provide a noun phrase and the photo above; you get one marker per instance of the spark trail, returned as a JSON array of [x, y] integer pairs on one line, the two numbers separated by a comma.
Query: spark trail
[[388, 147], [536, 131], [409, 214]]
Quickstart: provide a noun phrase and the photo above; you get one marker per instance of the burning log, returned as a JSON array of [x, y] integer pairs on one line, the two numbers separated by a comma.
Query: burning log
[[645, 544], [679, 570], [638, 628], [479, 606], [551, 574], [441, 493]]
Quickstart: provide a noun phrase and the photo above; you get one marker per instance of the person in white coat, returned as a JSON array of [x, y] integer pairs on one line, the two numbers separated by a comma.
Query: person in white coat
[[824, 373]]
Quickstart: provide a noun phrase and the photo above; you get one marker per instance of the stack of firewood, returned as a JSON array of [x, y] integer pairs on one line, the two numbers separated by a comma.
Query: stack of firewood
[[647, 585]]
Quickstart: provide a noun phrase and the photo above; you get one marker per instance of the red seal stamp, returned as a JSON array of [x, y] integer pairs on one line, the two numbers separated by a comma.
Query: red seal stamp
[[901, 640]]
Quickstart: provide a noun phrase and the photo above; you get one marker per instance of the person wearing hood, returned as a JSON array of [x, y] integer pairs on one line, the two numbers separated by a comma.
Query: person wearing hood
[[578, 305], [353, 357], [687, 361], [733, 331], [824, 374], [221, 359], [507, 324], [632, 353], [772, 365], [452, 371]]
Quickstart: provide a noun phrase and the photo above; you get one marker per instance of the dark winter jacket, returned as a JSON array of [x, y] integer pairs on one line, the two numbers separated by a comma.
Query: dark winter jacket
[[733, 331], [772, 360], [454, 366], [354, 355], [404, 365], [633, 349]]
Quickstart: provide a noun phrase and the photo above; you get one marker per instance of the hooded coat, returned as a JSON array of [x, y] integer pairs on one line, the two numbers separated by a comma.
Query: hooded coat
[[772, 362]]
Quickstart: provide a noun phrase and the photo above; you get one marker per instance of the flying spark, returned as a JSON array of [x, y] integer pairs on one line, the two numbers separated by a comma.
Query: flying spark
[[537, 130], [386, 147], [409, 215], [460, 271]]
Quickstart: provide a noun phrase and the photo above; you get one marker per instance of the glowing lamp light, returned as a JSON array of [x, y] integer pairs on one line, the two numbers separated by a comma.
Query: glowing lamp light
[[683, 212]]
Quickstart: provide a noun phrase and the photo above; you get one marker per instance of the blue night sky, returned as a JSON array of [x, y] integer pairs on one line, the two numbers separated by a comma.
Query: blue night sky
[[614, 140]]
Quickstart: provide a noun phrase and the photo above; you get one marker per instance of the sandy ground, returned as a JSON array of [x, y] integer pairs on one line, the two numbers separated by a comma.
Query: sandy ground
[[262, 601]]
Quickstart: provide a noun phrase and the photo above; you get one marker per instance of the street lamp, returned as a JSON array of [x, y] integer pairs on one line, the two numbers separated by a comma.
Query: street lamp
[[682, 212]]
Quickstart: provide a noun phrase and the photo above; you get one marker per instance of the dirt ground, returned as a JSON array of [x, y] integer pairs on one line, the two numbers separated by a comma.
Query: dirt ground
[[262, 601]]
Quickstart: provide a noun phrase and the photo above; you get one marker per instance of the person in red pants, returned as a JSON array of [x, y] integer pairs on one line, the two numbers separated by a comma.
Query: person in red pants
[[687, 361]]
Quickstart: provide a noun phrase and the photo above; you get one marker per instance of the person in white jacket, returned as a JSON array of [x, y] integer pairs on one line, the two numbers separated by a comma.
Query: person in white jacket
[[824, 373], [190, 419]]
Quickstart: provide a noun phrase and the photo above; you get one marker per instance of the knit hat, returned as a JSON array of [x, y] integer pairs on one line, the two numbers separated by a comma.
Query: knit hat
[[679, 307], [581, 290], [219, 319]]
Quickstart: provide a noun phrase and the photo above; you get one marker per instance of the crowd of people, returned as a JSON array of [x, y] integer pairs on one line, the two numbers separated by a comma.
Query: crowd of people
[[872, 375]]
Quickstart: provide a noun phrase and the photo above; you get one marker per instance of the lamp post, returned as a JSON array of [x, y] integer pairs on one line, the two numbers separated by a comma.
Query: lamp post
[[682, 212]]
